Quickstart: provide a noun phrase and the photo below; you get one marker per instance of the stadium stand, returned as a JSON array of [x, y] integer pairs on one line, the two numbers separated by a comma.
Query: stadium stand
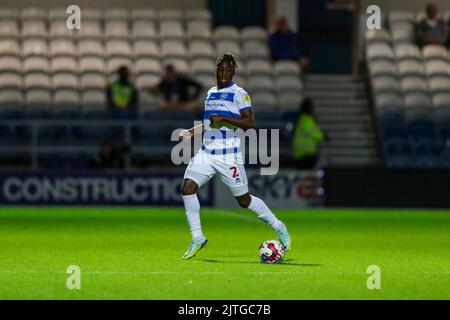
[[411, 93], [50, 73]]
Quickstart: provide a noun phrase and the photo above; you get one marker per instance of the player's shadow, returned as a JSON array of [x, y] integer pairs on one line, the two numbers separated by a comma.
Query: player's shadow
[[285, 262]]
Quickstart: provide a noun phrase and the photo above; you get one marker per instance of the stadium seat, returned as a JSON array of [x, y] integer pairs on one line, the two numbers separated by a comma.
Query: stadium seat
[[10, 64], [255, 50], [202, 15], [92, 14], [66, 103], [58, 30], [414, 84], [117, 29], [288, 83], [425, 154], [38, 80], [289, 101], [398, 154], [11, 103], [64, 64], [9, 29], [402, 33], [264, 101], [143, 30], [92, 64], [65, 80], [435, 52], [146, 49], [254, 33], [261, 83], [9, 14], [173, 49], [408, 51], [62, 47], [171, 30], [34, 29], [33, 13], [437, 68], [118, 48], [416, 100], [259, 67], [11, 80], [9, 47], [198, 30], [379, 51], [224, 46], [55, 14], [287, 68], [400, 17], [147, 66], [92, 80], [34, 47], [113, 14], [90, 47], [91, 99], [377, 36], [384, 84], [383, 68], [439, 84], [202, 67], [226, 33], [170, 14], [411, 68], [143, 14], [91, 30], [201, 49], [38, 102]]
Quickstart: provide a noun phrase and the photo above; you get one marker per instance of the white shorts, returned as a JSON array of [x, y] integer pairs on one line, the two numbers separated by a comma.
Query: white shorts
[[203, 166]]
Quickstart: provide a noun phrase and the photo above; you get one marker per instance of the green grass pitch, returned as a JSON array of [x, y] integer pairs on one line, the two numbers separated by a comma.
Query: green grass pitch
[[134, 253]]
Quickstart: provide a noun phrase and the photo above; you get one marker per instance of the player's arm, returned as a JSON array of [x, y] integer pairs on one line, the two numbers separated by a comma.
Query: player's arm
[[245, 121], [189, 133]]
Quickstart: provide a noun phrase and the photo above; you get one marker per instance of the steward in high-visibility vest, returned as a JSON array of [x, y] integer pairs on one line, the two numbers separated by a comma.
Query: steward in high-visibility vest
[[122, 95], [307, 136]]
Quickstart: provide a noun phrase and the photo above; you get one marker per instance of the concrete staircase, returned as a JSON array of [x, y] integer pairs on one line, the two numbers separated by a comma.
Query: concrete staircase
[[342, 110]]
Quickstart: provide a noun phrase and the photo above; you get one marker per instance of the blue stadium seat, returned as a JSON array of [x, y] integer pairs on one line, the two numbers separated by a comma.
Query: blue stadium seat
[[425, 154], [421, 130], [398, 154]]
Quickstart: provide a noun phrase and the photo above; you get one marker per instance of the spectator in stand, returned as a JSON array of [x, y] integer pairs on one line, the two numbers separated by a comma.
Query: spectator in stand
[[176, 90], [431, 29], [307, 137], [122, 95], [284, 44]]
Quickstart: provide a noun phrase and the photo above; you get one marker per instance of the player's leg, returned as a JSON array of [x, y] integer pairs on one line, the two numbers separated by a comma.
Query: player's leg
[[232, 173], [263, 212], [197, 174]]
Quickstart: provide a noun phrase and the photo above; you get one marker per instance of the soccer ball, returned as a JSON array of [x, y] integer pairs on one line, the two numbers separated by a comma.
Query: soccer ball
[[271, 251]]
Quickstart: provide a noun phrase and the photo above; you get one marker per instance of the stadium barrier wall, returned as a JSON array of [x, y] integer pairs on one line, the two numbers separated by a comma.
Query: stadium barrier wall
[[286, 189], [387, 188]]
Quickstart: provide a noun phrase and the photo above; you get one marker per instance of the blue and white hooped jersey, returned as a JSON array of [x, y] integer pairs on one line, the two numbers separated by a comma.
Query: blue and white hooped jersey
[[229, 102]]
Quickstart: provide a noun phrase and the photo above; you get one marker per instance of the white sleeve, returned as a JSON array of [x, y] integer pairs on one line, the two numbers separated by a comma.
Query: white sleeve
[[243, 100]]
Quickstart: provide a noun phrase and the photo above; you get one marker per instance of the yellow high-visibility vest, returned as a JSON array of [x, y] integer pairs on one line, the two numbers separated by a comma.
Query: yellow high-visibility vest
[[307, 136]]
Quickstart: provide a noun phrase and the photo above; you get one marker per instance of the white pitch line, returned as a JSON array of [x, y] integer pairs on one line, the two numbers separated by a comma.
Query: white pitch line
[[232, 214]]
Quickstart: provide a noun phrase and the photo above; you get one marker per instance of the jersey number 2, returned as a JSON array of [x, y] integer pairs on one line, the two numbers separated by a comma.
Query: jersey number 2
[[234, 170]]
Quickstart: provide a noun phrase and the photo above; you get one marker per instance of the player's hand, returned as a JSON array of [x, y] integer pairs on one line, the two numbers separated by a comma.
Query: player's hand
[[184, 135], [214, 119]]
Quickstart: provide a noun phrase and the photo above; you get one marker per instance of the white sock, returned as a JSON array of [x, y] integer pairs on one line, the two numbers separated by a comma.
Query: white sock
[[192, 206], [263, 212]]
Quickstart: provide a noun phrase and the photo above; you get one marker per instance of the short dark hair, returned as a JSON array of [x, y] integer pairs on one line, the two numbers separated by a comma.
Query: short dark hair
[[227, 57]]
